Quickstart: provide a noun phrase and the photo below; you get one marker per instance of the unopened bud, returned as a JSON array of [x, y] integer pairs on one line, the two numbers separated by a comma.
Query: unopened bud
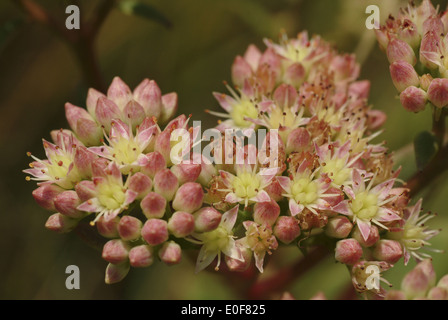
[[295, 75], [206, 219], [166, 184], [141, 256], [115, 251], [186, 172], [189, 197], [153, 205], [398, 50], [415, 284], [241, 71], [181, 224], [428, 269], [425, 81], [240, 265], [60, 223], [297, 140], [141, 184], [413, 99], [45, 194], [395, 295], [388, 250], [403, 75], [129, 228], [154, 163], [348, 251], [67, 202], [373, 238], [275, 190], [170, 253], [438, 293], [286, 229], [83, 161], [438, 92], [155, 231], [443, 282], [338, 227], [116, 272], [266, 212], [108, 228]]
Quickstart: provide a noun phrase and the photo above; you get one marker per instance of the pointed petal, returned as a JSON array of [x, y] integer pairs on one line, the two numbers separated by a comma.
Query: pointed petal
[[343, 208], [364, 228], [295, 208], [229, 218], [91, 205], [259, 259], [204, 259], [262, 196]]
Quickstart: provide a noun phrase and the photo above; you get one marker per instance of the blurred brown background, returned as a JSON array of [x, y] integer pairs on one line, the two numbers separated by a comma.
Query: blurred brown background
[[39, 73]]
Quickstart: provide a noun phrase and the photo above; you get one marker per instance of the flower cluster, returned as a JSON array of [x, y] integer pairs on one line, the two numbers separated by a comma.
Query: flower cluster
[[416, 44], [331, 181]]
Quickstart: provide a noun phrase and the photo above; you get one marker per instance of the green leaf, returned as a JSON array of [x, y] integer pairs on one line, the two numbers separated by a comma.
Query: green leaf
[[133, 7], [425, 147], [8, 28]]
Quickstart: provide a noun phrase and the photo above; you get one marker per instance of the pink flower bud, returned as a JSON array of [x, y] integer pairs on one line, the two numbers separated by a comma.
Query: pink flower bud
[[74, 113], [266, 212], [395, 295], [338, 227], [119, 92], [443, 282], [373, 238], [297, 140], [170, 253], [60, 223], [348, 251], [116, 272], [413, 99], [319, 296], [45, 194], [286, 229], [92, 99], [444, 19], [382, 37], [345, 67], [186, 172], [285, 96], [163, 145], [89, 132], [398, 50], [438, 293], [295, 75], [67, 202], [108, 228], [149, 96], [85, 190], [238, 265], [241, 70], [153, 205], [388, 250], [169, 102], [154, 163], [83, 161], [189, 197], [403, 75], [275, 190], [155, 231], [438, 92], [106, 111], [415, 284], [206, 219], [208, 170], [134, 112], [428, 269], [141, 256], [181, 224], [141, 184], [433, 24], [115, 251], [166, 184], [129, 228]]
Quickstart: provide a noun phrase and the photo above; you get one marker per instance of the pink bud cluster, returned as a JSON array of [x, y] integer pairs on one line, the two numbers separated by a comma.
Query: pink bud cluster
[[416, 46], [115, 170]]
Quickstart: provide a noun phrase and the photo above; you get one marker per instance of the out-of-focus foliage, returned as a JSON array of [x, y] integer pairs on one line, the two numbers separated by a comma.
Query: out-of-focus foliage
[[39, 74]]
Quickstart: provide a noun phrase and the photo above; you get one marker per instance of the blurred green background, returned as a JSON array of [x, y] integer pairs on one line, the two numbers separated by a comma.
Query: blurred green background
[[39, 73]]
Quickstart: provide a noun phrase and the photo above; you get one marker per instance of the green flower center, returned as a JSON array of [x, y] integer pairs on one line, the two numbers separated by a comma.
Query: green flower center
[[304, 191], [336, 170], [126, 151], [216, 240], [246, 185], [365, 205], [111, 196], [245, 108]]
